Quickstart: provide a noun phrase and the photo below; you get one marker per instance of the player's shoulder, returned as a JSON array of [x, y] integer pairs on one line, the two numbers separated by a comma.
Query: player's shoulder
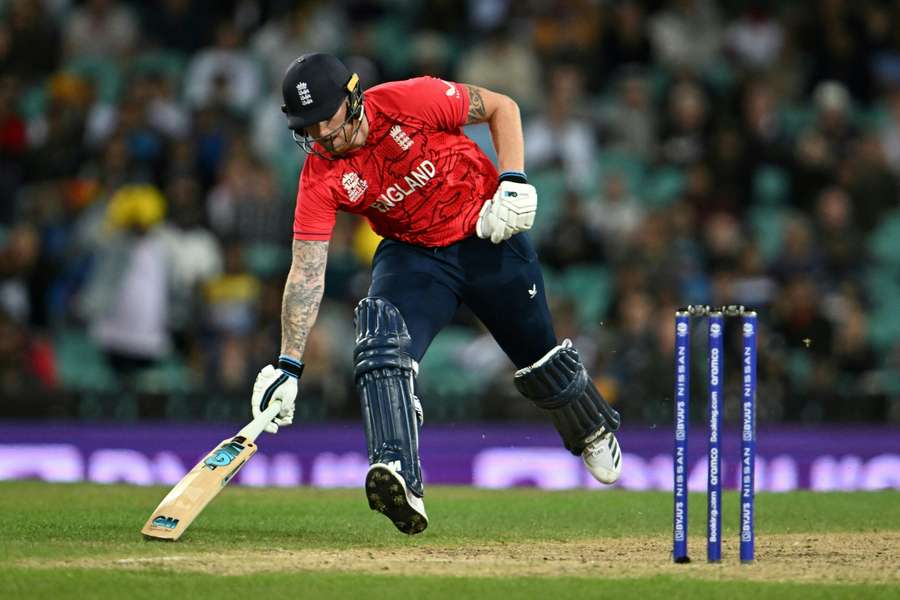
[[314, 174], [402, 85], [405, 91]]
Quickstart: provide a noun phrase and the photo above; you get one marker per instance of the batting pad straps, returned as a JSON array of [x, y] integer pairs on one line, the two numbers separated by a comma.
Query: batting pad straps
[[385, 373], [559, 384]]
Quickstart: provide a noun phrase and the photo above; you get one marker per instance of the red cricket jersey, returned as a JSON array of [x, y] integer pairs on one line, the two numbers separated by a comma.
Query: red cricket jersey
[[418, 179]]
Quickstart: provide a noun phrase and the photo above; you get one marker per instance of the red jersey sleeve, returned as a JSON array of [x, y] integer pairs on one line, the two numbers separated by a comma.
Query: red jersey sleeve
[[316, 210], [441, 104]]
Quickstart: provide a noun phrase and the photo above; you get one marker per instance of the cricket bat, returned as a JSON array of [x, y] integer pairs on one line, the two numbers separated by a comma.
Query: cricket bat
[[196, 489]]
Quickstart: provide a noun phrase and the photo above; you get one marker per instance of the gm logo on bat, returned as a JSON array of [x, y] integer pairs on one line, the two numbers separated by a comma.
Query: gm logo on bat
[[166, 522], [223, 455]]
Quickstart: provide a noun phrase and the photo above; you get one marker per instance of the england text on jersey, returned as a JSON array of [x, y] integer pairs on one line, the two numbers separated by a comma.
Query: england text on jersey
[[395, 193]]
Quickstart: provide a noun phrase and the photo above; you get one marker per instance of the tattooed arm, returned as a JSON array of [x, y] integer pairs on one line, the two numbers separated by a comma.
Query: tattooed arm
[[302, 295], [502, 114]]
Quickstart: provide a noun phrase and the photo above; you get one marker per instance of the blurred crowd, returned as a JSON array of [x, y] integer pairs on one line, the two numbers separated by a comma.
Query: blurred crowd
[[684, 151]]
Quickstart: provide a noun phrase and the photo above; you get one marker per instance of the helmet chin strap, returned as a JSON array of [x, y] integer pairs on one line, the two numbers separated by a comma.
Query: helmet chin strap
[[307, 145]]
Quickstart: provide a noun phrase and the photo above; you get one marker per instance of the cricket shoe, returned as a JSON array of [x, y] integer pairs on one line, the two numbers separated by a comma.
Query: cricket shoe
[[602, 456], [388, 494]]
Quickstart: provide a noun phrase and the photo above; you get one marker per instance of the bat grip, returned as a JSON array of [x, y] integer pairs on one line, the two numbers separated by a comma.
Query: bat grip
[[257, 425]]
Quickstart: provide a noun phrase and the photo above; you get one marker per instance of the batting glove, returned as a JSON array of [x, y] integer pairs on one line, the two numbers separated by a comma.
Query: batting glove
[[510, 211], [277, 384]]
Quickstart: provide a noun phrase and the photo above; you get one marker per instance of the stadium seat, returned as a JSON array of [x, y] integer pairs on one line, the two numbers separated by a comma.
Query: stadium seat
[[168, 377], [884, 242], [873, 119], [882, 285], [767, 224], [104, 73], [796, 119], [663, 186], [81, 365], [771, 186], [884, 327], [589, 287], [266, 260], [168, 62], [392, 42], [632, 168], [720, 75], [551, 187], [32, 101], [452, 390]]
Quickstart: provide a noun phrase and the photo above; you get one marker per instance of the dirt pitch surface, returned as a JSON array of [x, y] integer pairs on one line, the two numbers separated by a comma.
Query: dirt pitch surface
[[805, 558]]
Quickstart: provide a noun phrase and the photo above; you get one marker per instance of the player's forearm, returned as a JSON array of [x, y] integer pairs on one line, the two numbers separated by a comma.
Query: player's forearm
[[302, 295], [506, 132], [502, 115]]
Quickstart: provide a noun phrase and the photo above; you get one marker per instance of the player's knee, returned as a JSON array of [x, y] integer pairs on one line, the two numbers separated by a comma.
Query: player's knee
[[559, 384], [382, 339]]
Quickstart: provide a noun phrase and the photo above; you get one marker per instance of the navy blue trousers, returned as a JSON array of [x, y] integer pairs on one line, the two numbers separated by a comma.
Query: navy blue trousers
[[500, 283]]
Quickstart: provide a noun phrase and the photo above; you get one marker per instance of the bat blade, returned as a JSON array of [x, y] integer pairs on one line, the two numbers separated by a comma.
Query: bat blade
[[196, 489]]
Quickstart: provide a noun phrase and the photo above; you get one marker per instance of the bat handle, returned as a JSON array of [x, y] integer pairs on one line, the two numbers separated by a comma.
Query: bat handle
[[257, 425]]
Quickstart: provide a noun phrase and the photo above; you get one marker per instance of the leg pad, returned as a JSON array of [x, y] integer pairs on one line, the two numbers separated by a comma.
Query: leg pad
[[559, 384], [385, 374]]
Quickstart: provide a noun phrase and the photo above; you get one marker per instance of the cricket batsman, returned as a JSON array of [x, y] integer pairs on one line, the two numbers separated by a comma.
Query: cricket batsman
[[454, 233]]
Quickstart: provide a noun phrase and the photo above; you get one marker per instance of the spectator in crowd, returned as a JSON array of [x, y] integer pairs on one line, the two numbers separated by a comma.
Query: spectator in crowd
[[13, 146], [561, 135], [244, 204], [686, 34], [232, 299], [566, 28], [571, 241], [614, 214], [762, 129], [685, 135], [871, 183], [126, 301], [890, 134], [100, 29], [506, 65], [182, 26], [193, 253], [30, 44], [224, 74], [800, 256], [19, 251], [630, 120], [431, 55], [624, 43], [833, 118], [26, 361], [819, 150], [56, 139], [756, 38], [309, 26], [836, 38], [839, 237]]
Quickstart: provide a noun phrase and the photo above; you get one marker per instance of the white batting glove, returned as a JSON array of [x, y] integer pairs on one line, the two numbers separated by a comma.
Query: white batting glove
[[510, 211], [277, 384]]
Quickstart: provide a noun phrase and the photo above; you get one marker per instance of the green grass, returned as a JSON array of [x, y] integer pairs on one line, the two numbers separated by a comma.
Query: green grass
[[44, 526]]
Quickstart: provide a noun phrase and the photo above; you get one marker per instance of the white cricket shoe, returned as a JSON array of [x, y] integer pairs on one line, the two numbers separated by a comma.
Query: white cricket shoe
[[387, 493], [602, 456]]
